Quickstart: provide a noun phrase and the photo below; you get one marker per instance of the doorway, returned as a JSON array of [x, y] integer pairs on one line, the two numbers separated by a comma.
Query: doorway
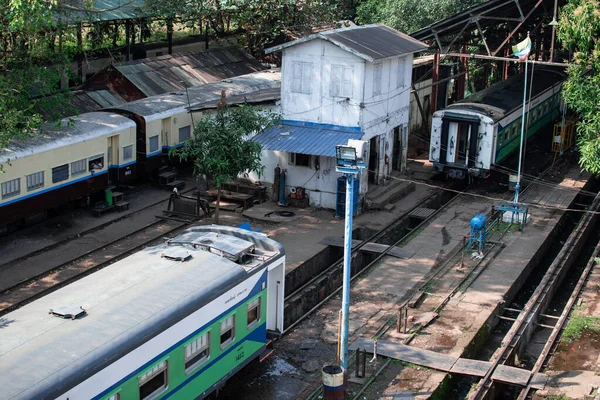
[[373, 160], [462, 132]]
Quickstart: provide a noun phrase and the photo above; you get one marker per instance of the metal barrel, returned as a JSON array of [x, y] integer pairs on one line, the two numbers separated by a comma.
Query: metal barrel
[[333, 382]]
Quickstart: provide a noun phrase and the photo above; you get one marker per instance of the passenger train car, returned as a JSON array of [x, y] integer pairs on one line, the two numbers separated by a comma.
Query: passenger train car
[[171, 321], [471, 135], [117, 146]]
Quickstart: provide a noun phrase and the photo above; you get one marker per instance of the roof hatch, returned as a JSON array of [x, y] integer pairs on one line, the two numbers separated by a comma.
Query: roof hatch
[[68, 311], [176, 254]]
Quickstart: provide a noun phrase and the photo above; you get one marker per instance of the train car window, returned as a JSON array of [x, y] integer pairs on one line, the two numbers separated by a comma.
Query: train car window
[[115, 396], [96, 162], [11, 188], [253, 312], [197, 352], [35, 181], [78, 167], [154, 381], [500, 136], [128, 152], [60, 173], [153, 140], [184, 133], [227, 331]]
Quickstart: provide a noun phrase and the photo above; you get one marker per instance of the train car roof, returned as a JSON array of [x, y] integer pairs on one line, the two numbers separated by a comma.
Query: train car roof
[[68, 131], [155, 107], [127, 303], [503, 97]]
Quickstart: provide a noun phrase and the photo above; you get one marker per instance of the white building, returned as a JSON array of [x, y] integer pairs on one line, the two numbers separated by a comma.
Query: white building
[[349, 83]]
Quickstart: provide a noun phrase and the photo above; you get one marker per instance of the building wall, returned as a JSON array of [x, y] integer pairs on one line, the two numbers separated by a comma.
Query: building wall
[[320, 185], [322, 104]]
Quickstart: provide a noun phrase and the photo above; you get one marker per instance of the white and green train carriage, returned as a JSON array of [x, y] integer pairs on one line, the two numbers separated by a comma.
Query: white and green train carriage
[[471, 135], [171, 321]]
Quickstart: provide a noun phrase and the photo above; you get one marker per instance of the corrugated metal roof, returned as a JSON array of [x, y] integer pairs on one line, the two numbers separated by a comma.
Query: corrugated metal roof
[[306, 138], [163, 74], [82, 101], [256, 97], [74, 11], [370, 42]]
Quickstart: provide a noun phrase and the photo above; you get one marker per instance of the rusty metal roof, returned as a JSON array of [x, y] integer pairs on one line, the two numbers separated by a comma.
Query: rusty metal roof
[[163, 74], [369, 42], [257, 97], [80, 102]]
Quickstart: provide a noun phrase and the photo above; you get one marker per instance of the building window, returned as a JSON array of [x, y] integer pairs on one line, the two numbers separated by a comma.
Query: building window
[[253, 312], [153, 143], [301, 77], [300, 160], [78, 167], [227, 331], [35, 181], [341, 81], [377, 79], [11, 188], [400, 83], [128, 152], [96, 162], [197, 352], [60, 173], [154, 381], [184, 133]]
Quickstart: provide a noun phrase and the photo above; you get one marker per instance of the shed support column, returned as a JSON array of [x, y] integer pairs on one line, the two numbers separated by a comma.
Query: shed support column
[[80, 52], [486, 76], [435, 76], [505, 65], [462, 79]]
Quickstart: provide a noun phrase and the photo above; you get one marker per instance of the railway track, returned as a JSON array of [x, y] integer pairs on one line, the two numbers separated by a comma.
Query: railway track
[[523, 326], [57, 244], [74, 268]]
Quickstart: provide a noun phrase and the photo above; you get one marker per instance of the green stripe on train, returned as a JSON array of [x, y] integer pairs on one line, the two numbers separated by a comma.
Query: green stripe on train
[[237, 352]]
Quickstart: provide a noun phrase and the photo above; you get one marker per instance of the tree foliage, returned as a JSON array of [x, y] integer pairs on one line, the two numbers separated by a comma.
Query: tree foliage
[[220, 147], [579, 30], [409, 15]]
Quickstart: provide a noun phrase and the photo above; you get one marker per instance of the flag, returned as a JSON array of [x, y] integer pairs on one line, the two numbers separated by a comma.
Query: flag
[[522, 49]]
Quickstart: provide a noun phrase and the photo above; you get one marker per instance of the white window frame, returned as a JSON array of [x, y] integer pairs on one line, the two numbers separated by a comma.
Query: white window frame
[[401, 76], [114, 396], [189, 127], [341, 81], [128, 149], [159, 368], [226, 325], [253, 305], [96, 158], [194, 348], [301, 77], [377, 79], [11, 188], [150, 143], [79, 167], [35, 181], [292, 159]]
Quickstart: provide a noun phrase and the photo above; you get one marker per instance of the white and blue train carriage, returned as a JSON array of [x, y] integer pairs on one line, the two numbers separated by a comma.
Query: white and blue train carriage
[[172, 321], [473, 134]]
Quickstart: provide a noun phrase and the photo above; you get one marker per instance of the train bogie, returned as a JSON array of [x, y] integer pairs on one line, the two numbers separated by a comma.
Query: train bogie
[[64, 163]]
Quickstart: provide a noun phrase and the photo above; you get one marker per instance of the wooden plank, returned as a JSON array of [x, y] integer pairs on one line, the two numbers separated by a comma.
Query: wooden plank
[[414, 355], [466, 366], [512, 375], [539, 381], [369, 247], [422, 212]]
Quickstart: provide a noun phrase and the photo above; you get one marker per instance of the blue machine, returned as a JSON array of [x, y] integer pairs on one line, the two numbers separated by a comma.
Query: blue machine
[[478, 232]]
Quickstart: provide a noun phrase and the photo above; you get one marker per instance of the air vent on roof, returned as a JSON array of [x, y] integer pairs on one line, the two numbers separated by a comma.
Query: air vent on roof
[[176, 254], [230, 247], [68, 311]]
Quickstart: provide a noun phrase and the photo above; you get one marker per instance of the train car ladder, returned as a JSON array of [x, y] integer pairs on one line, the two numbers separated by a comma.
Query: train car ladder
[[564, 136]]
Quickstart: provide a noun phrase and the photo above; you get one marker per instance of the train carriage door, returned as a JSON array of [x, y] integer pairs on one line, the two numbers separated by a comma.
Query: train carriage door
[[112, 155], [452, 146], [165, 129], [462, 140]]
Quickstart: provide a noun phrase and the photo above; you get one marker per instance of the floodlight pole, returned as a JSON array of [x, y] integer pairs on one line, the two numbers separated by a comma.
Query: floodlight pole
[[347, 269], [522, 133]]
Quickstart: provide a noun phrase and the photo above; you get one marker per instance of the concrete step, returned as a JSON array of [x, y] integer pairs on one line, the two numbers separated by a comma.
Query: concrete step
[[385, 195]]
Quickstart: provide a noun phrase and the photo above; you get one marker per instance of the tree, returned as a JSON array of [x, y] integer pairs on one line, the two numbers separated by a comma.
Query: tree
[[409, 15], [220, 147], [579, 30]]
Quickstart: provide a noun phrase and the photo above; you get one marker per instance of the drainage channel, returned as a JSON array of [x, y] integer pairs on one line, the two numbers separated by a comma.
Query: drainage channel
[[527, 313], [306, 295]]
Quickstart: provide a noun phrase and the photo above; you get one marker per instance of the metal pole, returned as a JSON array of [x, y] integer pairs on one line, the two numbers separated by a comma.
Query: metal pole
[[522, 131], [347, 262]]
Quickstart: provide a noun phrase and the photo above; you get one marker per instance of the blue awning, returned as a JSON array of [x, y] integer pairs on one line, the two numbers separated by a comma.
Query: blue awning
[[306, 137]]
